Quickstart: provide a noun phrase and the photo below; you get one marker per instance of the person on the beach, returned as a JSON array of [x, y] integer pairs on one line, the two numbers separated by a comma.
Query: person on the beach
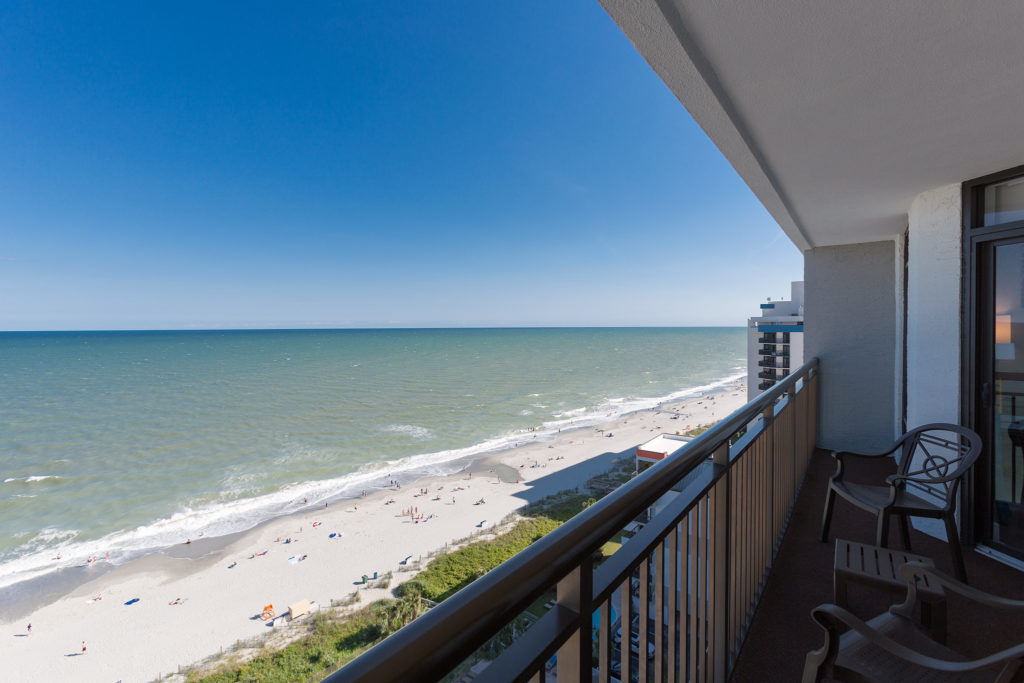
[[83, 647], [30, 629]]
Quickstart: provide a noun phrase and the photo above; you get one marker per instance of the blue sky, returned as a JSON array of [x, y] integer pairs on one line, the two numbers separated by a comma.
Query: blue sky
[[211, 165]]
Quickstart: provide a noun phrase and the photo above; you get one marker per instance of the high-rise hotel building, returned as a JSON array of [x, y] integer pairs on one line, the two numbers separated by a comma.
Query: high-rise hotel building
[[775, 341]]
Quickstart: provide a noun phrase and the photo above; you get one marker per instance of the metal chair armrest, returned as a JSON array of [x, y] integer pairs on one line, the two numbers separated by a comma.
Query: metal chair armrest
[[830, 616]]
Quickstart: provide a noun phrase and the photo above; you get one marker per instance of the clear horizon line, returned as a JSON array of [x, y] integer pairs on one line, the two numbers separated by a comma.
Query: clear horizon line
[[359, 327]]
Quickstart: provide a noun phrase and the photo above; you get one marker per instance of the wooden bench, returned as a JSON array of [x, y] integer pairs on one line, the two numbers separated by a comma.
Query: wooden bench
[[879, 568]]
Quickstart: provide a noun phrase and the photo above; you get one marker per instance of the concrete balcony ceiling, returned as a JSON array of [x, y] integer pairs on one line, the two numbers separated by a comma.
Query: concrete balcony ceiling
[[838, 114]]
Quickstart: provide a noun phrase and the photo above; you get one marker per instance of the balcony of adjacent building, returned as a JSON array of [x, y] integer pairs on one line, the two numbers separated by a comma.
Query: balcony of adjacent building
[[774, 338], [773, 374]]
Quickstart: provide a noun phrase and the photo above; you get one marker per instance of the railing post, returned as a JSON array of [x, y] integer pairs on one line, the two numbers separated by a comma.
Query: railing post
[[575, 592], [793, 440], [720, 617], [769, 443]]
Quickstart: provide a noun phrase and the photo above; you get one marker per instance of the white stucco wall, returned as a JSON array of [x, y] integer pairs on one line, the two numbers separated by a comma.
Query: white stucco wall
[[933, 314], [933, 307]]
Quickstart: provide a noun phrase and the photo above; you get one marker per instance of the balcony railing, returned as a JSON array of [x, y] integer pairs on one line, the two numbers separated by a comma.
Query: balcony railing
[[693, 574], [766, 339], [767, 375], [766, 363], [766, 385]]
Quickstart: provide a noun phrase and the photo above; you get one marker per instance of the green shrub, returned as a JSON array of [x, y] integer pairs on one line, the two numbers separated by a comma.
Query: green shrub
[[447, 574], [336, 640]]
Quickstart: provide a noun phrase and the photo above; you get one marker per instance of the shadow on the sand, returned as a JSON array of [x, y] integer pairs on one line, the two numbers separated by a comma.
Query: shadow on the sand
[[545, 484]]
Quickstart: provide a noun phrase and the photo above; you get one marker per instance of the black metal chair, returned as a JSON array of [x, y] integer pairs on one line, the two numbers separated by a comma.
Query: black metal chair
[[932, 462]]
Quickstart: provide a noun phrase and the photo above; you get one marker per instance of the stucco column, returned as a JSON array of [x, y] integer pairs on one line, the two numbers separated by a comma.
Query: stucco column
[[933, 307]]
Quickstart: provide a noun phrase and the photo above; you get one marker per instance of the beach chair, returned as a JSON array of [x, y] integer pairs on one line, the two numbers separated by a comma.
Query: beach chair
[[268, 613]]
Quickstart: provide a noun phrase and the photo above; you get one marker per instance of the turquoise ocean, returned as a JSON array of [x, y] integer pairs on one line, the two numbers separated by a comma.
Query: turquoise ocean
[[129, 442]]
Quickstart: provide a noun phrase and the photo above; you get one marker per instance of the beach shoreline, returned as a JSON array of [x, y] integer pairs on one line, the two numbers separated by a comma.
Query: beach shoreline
[[152, 637]]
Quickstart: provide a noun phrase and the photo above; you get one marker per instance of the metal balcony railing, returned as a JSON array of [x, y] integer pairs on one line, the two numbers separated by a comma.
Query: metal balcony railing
[[767, 375], [765, 352], [766, 339], [765, 385], [693, 574], [766, 363]]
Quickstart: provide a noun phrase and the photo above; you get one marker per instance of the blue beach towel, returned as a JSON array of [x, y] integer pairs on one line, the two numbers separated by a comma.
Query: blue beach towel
[[132, 601]]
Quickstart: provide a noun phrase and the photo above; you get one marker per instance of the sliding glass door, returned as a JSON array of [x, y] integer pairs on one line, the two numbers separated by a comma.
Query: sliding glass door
[[995, 248]]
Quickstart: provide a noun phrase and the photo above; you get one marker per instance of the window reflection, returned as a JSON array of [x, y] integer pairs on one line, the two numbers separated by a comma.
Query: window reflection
[[1004, 202], [1008, 446]]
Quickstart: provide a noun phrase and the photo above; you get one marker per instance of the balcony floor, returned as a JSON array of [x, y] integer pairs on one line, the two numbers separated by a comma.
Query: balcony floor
[[782, 631]]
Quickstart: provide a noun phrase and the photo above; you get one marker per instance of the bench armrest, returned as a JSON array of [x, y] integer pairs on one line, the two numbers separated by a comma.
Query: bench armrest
[[829, 617], [912, 570]]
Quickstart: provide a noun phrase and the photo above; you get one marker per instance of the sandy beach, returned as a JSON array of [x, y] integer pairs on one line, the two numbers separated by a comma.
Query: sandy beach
[[221, 585]]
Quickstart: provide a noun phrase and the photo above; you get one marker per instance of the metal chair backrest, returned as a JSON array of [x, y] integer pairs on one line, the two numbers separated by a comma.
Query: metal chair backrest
[[935, 457]]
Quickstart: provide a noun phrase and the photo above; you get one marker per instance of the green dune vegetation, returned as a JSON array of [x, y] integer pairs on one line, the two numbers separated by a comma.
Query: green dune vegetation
[[339, 635]]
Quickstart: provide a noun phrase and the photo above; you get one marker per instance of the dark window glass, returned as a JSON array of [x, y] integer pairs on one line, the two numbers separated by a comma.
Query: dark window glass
[[1004, 202]]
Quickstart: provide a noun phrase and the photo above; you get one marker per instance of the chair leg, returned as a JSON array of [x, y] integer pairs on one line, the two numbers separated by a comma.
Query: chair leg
[[905, 532], [953, 539], [826, 519], [882, 535]]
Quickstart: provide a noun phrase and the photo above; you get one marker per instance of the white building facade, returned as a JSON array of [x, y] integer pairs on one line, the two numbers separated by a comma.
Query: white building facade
[[775, 342]]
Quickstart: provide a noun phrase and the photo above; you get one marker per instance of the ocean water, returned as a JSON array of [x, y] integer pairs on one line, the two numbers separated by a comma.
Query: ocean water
[[127, 442]]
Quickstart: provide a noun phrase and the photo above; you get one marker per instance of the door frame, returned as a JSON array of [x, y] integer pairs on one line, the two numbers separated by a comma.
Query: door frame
[[976, 343]]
